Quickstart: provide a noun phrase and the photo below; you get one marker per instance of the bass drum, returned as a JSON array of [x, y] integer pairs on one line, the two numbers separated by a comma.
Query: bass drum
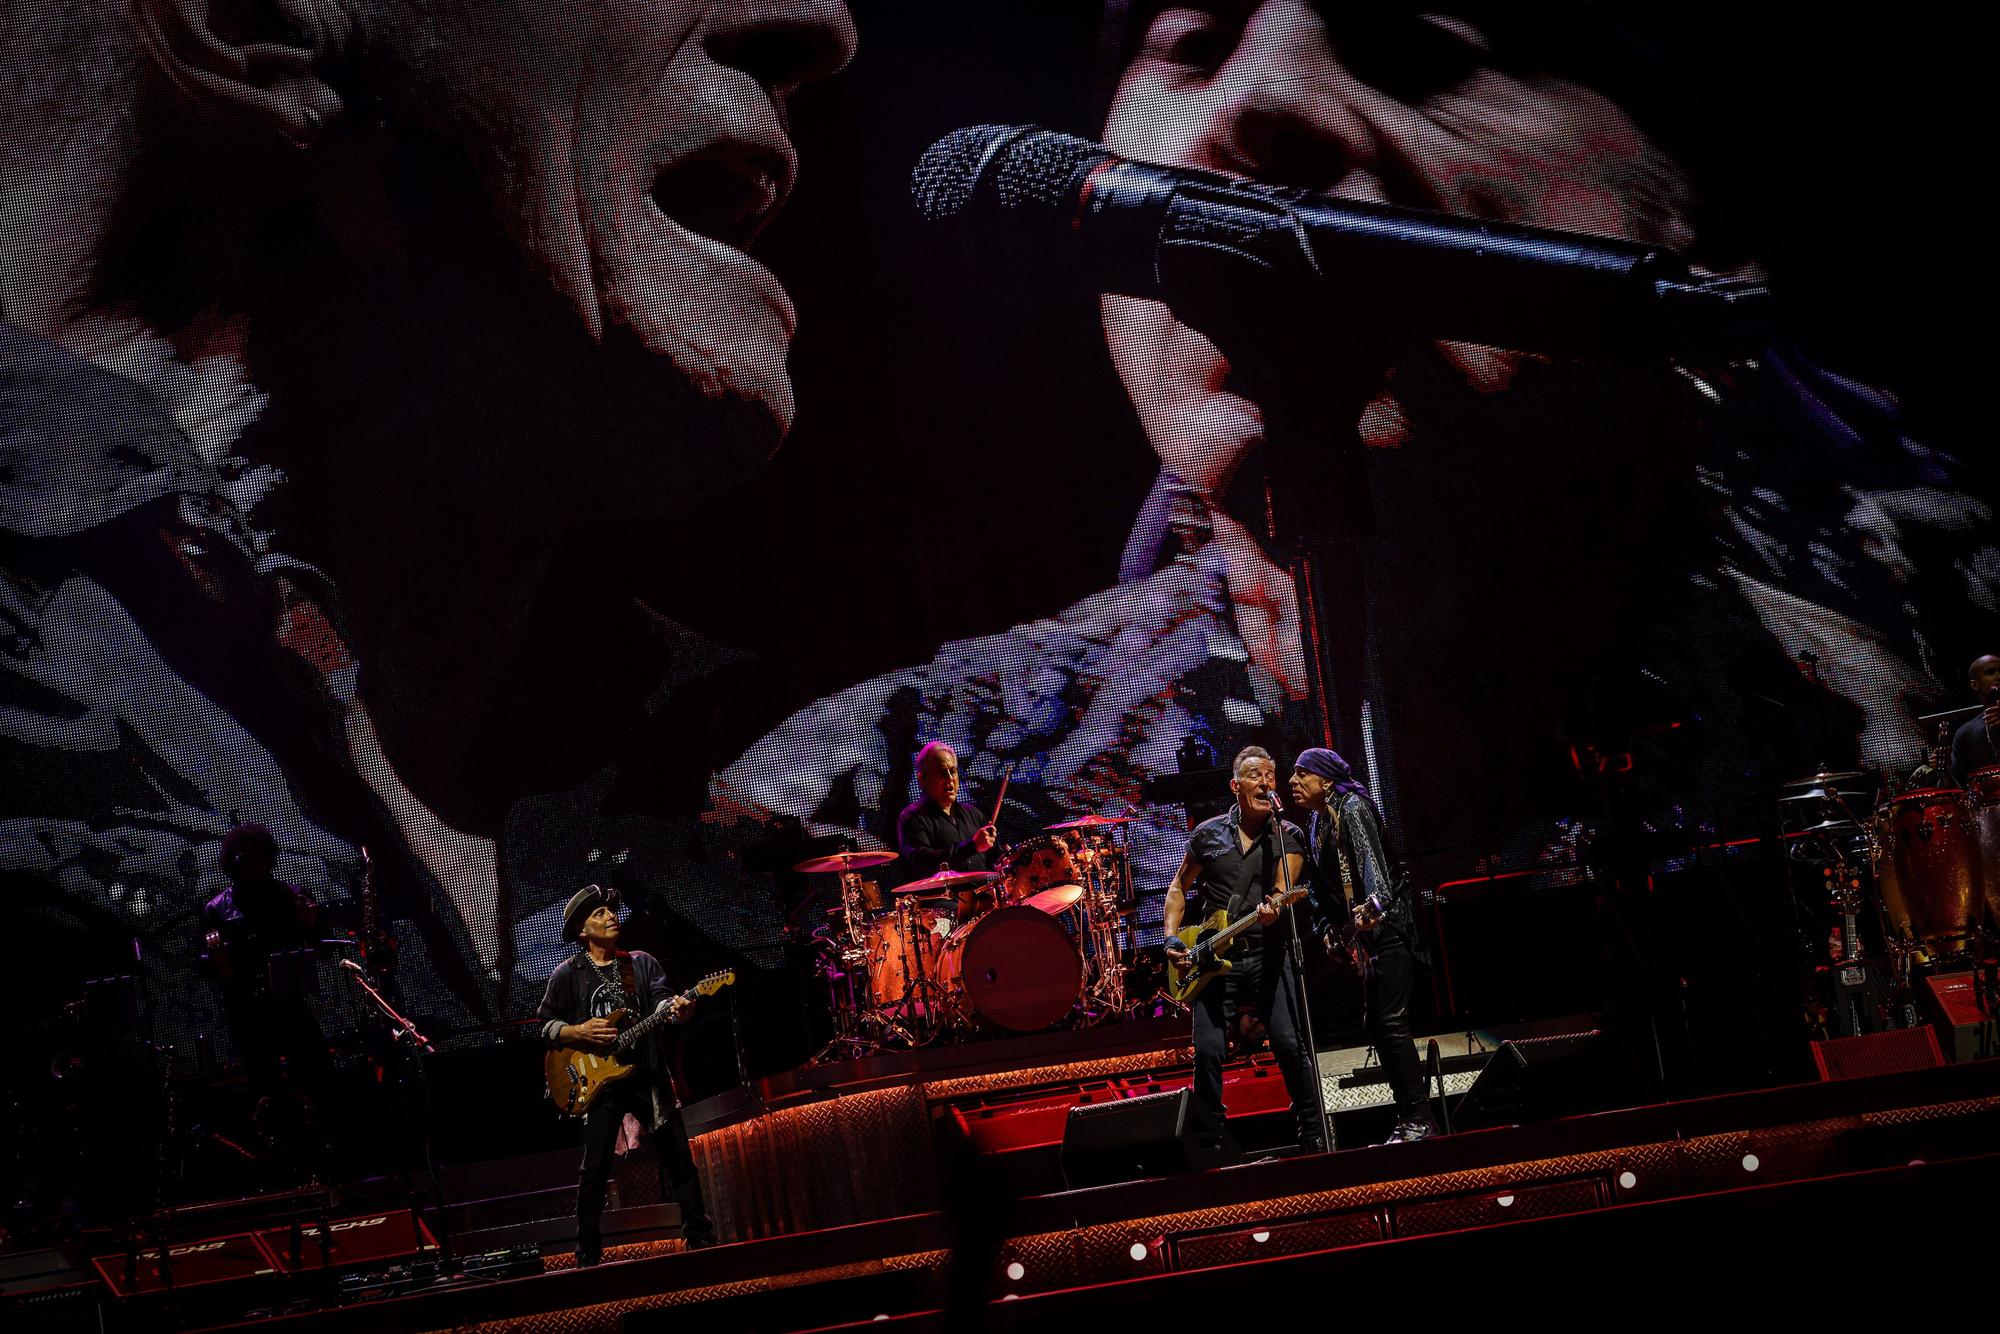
[[1014, 968]]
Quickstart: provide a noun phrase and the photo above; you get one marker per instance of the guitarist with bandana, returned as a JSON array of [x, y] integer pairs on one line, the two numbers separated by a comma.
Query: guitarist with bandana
[[584, 992], [1370, 919]]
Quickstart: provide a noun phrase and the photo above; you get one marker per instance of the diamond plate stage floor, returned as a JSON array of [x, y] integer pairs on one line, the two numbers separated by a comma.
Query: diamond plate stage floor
[[1766, 1172]]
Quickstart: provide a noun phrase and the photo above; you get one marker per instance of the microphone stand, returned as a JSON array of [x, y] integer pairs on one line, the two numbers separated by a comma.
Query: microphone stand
[[419, 1046], [1295, 948]]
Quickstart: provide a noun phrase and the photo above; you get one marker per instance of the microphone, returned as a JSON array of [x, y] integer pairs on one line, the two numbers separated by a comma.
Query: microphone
[[1241, 260]]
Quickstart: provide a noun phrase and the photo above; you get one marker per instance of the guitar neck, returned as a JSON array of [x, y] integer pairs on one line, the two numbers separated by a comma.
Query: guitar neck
[[645, 1027], [659, 1016], [1245, 922]]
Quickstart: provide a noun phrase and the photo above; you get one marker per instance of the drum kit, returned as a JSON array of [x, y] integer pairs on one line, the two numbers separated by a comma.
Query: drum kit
[[959, 955], [1932, 855]]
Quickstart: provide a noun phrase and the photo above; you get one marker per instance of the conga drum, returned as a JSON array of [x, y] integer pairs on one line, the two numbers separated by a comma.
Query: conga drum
[[1982, 799], [1927, 864]]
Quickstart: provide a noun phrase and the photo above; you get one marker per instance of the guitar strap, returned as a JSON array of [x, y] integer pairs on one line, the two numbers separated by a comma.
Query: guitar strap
[[1340, 850], [626, 979]]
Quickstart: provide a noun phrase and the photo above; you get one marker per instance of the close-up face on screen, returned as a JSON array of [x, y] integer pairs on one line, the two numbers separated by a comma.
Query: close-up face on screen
[[499, 450]]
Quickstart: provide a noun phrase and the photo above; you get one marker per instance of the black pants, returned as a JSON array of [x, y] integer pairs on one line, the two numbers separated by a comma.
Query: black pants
[[670, 1145], [1391, 972], [1261, 982]]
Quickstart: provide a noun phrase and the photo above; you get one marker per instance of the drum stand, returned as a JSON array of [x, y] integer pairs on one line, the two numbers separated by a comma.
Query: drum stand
[[847, 953]]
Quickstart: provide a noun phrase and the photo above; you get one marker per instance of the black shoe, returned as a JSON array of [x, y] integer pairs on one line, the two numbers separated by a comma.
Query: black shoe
[[1412, 1130], [703, 1242], [586, 1259]]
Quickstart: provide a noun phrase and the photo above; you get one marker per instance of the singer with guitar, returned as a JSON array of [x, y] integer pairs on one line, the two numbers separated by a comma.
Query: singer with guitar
[[584, 993], [1368, 918], [1232, 870], [1972, 745]]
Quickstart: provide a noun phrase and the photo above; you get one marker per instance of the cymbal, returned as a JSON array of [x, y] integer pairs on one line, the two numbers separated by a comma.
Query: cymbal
[[1832, 826], [840, 863], [1825, 794], [948, 880], [1054, 900], [1091, 822], [1822, 778]]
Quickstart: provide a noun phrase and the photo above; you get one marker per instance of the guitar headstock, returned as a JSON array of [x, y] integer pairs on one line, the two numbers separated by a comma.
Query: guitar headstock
[[713, 983]]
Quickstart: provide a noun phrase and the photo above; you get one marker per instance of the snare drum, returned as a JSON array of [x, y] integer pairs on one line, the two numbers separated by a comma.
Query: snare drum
[[1015, 968], [1927, 863]]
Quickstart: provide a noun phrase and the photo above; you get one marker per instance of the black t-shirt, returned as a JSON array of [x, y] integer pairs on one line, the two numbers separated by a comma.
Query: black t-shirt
[[255, 920], [579, 989], [1230, 878], [1972, 748], [931, 841]]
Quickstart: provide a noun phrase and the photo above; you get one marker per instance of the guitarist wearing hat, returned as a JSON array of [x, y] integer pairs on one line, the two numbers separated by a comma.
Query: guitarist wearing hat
[[1233, 869], [584, 992]]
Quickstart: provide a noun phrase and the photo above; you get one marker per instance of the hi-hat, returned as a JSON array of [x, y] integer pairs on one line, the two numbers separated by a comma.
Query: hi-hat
[[1054, 900], [945, 881], [840, 863], [1091, 822]]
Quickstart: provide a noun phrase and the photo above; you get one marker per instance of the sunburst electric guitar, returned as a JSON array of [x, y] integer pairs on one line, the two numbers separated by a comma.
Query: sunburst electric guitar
[[1207, 941], [578, 1076]]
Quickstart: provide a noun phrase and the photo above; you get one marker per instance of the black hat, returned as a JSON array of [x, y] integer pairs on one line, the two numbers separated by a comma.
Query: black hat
[[582, 904]]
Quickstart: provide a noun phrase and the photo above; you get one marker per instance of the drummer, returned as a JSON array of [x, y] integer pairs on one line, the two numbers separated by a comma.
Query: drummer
[[1972, 745], [939, 832]]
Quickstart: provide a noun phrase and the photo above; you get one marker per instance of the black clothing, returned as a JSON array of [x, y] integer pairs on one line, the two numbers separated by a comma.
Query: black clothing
[[1355, 840], [670, 1148], [1229, 878], [931, 841], [1348, 857], [580, 989], [1972, 748], [270, 1023], [1262, 982]]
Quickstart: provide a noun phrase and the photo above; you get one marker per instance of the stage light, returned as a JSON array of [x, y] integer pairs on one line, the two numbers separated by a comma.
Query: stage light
[[1626, 1180], [1011, 1297], [1017, 1271], [1260, 1237], [1750, 1163], [1138, 1251], [1504, 1201], [1916, 1162]]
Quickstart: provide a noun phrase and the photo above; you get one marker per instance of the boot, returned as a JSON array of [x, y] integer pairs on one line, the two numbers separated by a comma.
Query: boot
[[1412, 1124]]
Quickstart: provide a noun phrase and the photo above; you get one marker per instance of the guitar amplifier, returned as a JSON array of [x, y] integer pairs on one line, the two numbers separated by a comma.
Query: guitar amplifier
[[351, 1242], [190, 1264]]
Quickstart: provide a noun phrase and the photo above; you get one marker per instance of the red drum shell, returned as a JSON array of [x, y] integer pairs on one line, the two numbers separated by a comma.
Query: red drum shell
[[1927, 863]]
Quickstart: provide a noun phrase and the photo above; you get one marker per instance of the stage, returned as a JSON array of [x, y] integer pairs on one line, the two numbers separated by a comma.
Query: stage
[[915, 1184]]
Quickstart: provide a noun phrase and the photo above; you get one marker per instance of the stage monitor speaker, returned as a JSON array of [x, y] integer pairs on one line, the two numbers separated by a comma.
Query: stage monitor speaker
[[1538, 1079], [1885, 1053], [1127, 1139]]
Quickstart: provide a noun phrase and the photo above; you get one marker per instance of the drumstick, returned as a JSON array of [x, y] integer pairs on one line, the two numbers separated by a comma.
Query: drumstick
[[993, 818]]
